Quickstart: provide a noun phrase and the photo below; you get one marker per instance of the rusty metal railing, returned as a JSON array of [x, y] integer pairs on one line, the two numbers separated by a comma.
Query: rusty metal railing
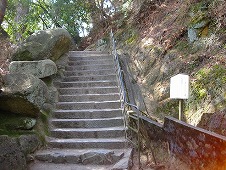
[[129, 111]]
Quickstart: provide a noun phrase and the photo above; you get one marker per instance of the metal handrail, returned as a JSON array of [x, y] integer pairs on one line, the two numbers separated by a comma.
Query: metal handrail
[[125, 104]]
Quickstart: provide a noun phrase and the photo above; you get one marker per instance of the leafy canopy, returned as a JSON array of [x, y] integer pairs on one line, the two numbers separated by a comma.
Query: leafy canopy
[[23, 17]]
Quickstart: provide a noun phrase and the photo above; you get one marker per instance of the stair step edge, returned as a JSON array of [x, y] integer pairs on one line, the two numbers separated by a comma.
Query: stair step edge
[[90, 102], [75, 140], [103, 119], [87, 129], [87, 110]]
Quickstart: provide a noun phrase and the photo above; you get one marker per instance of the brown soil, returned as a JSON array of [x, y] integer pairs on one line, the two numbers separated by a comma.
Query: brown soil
[[147, 163]]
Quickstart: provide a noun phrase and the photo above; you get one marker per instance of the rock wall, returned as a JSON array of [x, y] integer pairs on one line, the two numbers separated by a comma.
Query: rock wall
[[28, 96], [198, 148]]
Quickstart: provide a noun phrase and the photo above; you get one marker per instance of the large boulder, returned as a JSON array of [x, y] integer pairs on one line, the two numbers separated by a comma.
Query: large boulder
[[23, 94], [47, 44], [40, 69]]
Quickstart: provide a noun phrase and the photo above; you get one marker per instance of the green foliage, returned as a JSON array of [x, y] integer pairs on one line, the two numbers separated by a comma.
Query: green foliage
[[24, 17], [209, 83], [200, 6], [71, 14], [198, 11], [14, 26], [44, 121], [132, 36], [183, 46], [27, 16], [169, 108]]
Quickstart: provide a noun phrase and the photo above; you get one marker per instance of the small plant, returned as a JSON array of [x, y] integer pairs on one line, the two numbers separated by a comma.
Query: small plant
[[132, 37], [208, 83]]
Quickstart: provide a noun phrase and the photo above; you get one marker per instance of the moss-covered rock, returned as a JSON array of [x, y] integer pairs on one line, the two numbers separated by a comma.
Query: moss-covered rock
[[23, 123], [48, 44], [23, 94], [13, 124], [40, 69]]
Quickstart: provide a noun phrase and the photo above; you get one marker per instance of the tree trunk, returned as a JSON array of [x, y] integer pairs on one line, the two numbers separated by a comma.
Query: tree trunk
[[98, 14], [3, 4], [21, 12], [94, 12]]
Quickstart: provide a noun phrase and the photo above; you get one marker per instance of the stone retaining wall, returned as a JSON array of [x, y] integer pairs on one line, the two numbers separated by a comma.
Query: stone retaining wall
[[199, 148]]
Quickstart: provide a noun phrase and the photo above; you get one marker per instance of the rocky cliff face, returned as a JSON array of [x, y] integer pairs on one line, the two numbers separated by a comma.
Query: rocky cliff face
[[160, 39], [174, 37]]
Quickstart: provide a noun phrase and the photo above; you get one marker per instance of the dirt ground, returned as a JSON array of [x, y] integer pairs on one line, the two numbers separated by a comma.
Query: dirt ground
[[147, 163]]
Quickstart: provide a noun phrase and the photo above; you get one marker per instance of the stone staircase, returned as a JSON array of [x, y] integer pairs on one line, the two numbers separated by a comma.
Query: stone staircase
[[86, 129]]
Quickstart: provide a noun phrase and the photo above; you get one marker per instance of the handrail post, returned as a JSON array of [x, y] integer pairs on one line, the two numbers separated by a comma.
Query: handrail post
[[138, 137]]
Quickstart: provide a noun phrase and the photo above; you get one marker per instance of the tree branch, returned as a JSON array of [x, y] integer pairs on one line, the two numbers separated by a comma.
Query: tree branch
[[47, 12]]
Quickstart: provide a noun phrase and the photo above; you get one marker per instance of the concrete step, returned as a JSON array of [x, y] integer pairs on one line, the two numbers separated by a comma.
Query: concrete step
[[87, 127], [89, 97], [90, 67], [102, 83], [90, 62], [88, 105], [88, 159], [87, 123], [82, 156], [106, 143], [88, 56], [87, 114], [89, 72], [88, 52], [88, 90], [108, 132], [75, 156], [111, 77], [40, 165]]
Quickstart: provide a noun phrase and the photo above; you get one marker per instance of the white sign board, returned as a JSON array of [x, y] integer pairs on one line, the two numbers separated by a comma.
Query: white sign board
[[179, 87]]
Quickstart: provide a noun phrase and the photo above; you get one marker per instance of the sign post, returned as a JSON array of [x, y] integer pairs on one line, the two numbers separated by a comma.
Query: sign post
[[180, 108], [179, 89]]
